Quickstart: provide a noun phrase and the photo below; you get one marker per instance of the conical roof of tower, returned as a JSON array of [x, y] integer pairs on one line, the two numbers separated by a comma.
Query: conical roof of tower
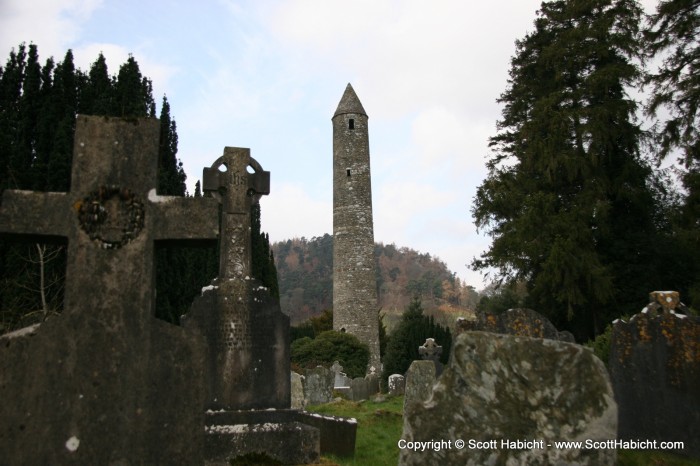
[[349, 103]]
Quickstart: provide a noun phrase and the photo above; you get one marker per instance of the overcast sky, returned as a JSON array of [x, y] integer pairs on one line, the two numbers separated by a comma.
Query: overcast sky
[[268, 75]]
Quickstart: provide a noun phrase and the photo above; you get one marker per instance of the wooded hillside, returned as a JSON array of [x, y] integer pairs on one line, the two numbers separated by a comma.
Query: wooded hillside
[[305, 274]]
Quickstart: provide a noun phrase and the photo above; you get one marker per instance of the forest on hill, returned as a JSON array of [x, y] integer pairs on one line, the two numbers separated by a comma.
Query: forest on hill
[[305, 274]]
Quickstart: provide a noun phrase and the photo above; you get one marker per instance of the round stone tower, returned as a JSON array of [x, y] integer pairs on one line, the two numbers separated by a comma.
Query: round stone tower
[[354, 281]]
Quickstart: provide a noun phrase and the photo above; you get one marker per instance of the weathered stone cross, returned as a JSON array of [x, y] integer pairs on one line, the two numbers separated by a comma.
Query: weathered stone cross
[[111, 217], [229, 173], [114, 384]]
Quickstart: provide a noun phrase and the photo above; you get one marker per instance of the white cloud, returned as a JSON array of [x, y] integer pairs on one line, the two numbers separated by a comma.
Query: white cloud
[[407, 54], [289, 212], [53, 25]]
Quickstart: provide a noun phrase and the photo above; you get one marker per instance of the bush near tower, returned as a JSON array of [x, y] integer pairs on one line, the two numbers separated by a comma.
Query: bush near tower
[[330, 346]]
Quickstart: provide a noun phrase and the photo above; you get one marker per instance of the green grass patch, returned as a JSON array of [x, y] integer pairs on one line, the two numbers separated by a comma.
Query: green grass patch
[[379, 427]]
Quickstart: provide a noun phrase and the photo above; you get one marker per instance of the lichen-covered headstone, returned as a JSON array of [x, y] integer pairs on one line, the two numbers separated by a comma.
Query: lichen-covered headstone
[[420, 379], [655, 371], [506, 388], [105, 382], [397, 384], [521, 322], [318, 386]]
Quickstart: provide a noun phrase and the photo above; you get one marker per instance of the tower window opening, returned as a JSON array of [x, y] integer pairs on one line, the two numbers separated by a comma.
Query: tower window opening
[[351, 123], [348, 172]]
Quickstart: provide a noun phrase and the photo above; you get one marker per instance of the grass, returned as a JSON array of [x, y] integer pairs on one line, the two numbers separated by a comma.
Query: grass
[[379, 426]]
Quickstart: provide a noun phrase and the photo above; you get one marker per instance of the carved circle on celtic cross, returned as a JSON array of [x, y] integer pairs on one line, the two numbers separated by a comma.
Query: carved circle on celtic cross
[[238, 179], [112, 216]]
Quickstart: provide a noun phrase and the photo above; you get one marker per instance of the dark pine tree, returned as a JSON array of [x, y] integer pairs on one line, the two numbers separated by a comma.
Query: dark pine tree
[[673, 33], [410, 333], [98, 96], [567, 199]]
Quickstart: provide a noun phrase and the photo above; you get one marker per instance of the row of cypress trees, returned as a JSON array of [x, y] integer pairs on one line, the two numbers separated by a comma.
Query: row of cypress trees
[[38, 108]]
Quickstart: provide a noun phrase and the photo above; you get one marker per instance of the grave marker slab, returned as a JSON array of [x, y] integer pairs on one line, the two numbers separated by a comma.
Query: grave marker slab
[[109, 382], [655, 371]]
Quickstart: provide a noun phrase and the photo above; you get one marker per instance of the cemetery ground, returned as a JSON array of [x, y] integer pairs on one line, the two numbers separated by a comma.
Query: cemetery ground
[[379, 426]]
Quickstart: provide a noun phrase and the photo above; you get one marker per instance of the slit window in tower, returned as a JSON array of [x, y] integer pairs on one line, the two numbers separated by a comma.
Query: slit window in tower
[[351, 123], [348, 172]]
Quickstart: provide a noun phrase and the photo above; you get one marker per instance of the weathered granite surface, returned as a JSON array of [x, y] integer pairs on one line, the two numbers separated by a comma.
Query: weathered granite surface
[[655, 371], [502, 387]]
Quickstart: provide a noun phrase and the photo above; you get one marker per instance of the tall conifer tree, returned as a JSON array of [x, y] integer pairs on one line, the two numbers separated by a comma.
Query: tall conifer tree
[[567, 198], [674, 34]]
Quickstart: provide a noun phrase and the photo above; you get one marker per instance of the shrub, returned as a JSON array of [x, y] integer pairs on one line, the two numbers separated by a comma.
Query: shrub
[[330, 346]]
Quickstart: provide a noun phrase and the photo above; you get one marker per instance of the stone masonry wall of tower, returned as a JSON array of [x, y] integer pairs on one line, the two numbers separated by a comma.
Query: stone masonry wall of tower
[[354, 280]]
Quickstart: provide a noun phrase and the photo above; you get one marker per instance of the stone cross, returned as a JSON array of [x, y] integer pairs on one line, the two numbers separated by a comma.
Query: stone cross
[[111, 217], [229, 179], [430, 350]]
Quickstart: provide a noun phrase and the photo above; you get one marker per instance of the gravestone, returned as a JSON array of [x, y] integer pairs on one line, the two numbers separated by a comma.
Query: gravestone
[[359, 389], [372, 383], [318, 386], [297, 388], [420, 379], [105, 382], [655, 370], [247, 334], [521, 322], [431, 351], [504, 388], [340, 380], [396, 384]]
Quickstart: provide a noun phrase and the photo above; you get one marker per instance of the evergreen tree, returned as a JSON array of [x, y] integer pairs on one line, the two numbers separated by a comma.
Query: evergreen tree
[[99, 92], [674, 34], [171, 176], [263, 262], [412, 331], [133, 93], [567, 199]]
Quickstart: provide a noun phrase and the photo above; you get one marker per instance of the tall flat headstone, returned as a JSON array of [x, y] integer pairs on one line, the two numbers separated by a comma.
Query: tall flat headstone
[[655, 371], [105, 382], [420, 378], [318, 386]]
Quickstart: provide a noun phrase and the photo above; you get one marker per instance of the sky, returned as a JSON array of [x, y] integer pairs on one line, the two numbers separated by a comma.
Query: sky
[[268, 75]]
